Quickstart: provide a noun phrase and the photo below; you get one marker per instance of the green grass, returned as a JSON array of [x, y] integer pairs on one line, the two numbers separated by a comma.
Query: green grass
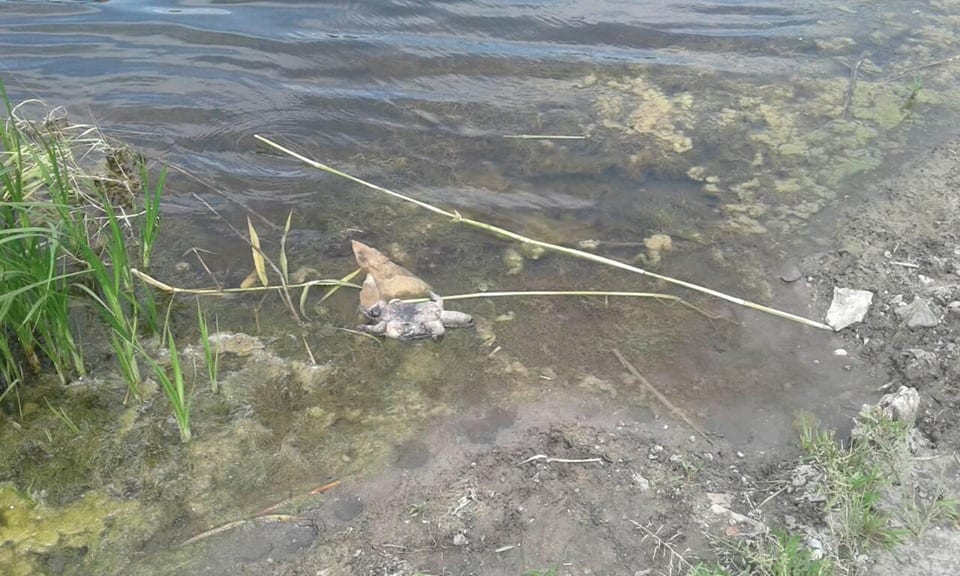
[[780, 554], [174, 388], [34, 280], [854, 480], [64, 238], [211, 353]]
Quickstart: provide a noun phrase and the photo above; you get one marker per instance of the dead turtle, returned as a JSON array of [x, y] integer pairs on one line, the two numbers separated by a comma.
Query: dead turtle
[[412, 320]]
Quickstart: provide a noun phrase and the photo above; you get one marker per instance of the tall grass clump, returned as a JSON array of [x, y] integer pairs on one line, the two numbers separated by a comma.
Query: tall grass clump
[[65, 232]]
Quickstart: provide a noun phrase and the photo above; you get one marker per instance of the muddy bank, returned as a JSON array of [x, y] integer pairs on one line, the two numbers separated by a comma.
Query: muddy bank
[[634, 490]]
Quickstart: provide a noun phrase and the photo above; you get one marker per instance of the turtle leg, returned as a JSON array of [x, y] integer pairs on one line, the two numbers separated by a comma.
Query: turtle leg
[[378, 329], [436, 299]]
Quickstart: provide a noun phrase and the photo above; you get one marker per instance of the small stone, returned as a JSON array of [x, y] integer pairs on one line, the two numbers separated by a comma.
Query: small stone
[[236, 343], [918, 314], [790, 271], [954, 307], [506, 317], [839, 352], [642, 483], [902, 405], [658, 243], [816, 548], [849, 306], [182, 267], [459, 539]]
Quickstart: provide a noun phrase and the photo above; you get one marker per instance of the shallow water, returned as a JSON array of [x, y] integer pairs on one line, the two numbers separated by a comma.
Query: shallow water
[[722, 124]]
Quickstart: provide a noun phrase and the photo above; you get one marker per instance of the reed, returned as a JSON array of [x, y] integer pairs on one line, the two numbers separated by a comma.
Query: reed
[[34, 287], [62, 235], [173, 387], [211, 353]]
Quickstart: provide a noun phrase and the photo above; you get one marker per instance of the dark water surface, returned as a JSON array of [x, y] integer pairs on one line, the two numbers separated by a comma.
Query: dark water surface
[[726, 125]]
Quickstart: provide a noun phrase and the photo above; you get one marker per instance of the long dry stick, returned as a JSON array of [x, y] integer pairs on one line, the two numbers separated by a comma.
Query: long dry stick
[[457, 217], [666, 401], [147, 279], [588, 293]]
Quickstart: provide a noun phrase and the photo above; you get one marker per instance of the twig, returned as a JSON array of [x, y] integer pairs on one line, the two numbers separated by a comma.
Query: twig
[[661, 543], [910, 71], [457, 217], [306, 345], [147, 279], [666, 402], [770, 497], [237, 524], [324, 488], [314, 492], [852, 85], [226, 195], [196, 252], [549, 459], [543, 137], [905, 264], [214, 532]]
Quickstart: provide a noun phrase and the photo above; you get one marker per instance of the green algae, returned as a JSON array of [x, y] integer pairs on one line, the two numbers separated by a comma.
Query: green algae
[[28, 530]]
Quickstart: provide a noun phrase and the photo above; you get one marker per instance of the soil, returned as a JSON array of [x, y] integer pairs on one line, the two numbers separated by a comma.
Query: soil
[[635, 493]]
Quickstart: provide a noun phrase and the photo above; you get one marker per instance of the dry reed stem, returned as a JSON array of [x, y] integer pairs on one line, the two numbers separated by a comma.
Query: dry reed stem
[[147, 279], [457, 217]]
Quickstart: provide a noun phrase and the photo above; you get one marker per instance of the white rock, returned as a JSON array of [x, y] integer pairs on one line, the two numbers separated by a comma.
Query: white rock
[[839, 352], [849, 306]]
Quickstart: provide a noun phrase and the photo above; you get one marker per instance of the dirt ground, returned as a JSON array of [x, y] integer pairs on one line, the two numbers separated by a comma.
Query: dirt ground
[[544, 487]]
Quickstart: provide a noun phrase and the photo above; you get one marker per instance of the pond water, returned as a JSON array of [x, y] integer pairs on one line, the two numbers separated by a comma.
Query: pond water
[[732, 127]]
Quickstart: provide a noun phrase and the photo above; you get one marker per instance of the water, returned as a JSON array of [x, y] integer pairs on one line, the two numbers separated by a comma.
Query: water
[[721, 124]]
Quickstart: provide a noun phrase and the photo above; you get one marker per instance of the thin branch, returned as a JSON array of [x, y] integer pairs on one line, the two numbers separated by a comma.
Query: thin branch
[[666, 401], [549, 459], [916, 69]]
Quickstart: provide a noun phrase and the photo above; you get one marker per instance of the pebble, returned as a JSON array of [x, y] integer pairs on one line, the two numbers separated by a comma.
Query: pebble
[[918, 314], [839, 352], [790, 272]]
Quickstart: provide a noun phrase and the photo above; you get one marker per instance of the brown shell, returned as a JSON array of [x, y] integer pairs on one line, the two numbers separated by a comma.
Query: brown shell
[[369, 293], [389, 280]]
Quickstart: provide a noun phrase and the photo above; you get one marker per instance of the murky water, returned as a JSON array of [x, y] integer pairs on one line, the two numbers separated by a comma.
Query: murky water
[[725, 125]]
